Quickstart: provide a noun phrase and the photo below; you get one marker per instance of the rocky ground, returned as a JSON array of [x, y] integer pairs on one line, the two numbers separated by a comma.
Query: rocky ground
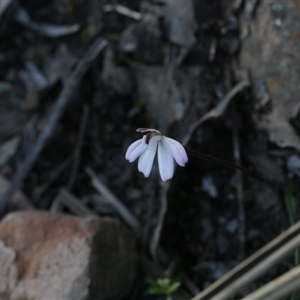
[[77, 78]]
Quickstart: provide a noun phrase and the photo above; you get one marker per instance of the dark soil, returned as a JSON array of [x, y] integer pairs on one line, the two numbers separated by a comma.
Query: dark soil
[[124, 90]]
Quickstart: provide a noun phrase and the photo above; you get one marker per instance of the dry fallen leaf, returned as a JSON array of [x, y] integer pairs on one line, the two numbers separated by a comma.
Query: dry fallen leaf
[[59, 66], [272, 54], [151, 83], [179, 16]]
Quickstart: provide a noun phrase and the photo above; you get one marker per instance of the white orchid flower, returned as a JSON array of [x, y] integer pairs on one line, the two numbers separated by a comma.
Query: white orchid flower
[[168, 151]]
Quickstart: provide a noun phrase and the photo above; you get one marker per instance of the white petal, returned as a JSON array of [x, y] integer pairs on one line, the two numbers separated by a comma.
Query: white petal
[[165, 161], [177, 150], [147, 157], [135, 149]]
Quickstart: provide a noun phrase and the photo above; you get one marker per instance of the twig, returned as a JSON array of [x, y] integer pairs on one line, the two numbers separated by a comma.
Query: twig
[[279, 288], [254, 267], [8, 150], [73, 204], [55, 206], [119, 207], [218, 110], [239, 189], [212, 50], [55, 174], [83, 123], [63, 99], [123, 10], [291, 207]]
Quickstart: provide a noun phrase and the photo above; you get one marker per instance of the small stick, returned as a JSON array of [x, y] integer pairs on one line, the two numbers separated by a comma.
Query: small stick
[[212, 50], [60, 105], [123, 10], [239, 189], [51, 178], [279, 288], [218, 110], [73, 204], [119, 207], [83, 123], [254, 267]]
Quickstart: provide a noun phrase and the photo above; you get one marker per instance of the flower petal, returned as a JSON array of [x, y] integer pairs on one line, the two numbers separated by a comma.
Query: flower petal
[[135, 149], [147, 157], [177, 150], [165, 161]]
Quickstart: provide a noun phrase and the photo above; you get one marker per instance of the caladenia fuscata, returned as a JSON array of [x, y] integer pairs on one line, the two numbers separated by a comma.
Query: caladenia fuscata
[[169, 150]]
